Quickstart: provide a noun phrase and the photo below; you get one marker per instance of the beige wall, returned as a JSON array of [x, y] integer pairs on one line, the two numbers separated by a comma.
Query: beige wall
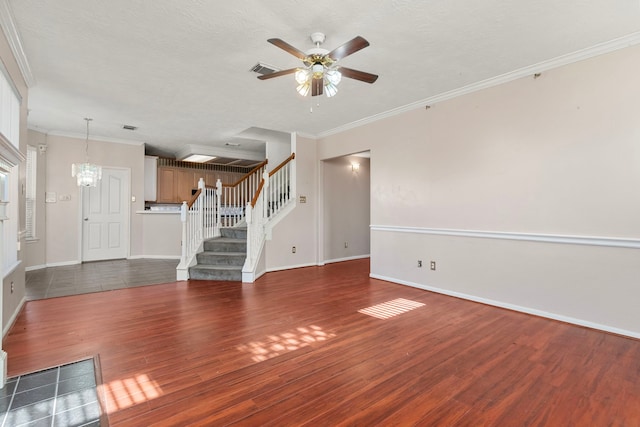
[[13, 283], [345, 208], [63, 217], [555, 156], [161, 235], [298, 228]]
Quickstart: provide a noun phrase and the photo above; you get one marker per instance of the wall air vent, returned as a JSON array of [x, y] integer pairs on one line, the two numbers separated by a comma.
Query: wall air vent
[[262, 68], [129, 127]]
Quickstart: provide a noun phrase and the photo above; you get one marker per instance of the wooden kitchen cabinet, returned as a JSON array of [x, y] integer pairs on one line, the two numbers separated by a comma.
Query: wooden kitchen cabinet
[[167, 185], [175, 184], [186, 182]]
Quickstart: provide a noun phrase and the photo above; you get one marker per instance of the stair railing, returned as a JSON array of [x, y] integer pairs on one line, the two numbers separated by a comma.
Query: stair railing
[[199, 222], [235, 196], [272, 195]]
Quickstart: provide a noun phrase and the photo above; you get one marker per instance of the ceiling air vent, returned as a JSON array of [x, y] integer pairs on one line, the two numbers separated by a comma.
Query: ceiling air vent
[[262, 68], [129, 127]]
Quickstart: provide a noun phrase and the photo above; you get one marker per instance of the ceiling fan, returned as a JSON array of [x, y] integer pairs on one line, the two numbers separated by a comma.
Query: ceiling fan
[[321, 72]]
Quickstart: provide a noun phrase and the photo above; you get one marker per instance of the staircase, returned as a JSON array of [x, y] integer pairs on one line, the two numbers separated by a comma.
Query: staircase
[[223, 256], [211, 219]]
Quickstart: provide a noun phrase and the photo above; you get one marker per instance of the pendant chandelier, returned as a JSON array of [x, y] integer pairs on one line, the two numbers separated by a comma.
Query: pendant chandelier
[[86, 173]]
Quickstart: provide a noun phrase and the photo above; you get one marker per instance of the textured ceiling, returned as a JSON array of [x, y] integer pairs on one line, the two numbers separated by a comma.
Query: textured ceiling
[[179, 70]]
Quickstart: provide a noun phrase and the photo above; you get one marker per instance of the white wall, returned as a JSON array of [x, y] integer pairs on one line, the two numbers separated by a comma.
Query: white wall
[[278, 150], [345, 211], [63, 217], [555, 156]]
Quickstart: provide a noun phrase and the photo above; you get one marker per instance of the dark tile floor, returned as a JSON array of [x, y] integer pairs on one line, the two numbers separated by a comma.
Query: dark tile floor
[[62, 396], [98, 276]]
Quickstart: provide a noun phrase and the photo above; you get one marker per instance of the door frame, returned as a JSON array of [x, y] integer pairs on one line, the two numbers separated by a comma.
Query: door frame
[[127, 219]]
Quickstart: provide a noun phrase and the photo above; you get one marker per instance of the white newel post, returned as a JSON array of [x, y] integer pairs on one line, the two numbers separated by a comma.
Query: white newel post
[[249, 218], [265, 176], [183, 218], [3, 354], [218, 197]]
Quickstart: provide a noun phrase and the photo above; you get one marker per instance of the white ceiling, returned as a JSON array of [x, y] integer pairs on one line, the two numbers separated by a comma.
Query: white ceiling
[[179, 70]]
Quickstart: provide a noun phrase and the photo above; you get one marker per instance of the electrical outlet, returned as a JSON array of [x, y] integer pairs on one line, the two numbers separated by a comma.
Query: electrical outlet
[[433, 265], [419, 263], [346, 245], [12, 287], [293, 249]]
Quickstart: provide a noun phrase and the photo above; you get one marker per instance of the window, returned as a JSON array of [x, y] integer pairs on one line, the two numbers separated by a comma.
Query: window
[[9, 226], [10, 157], [30, 209]]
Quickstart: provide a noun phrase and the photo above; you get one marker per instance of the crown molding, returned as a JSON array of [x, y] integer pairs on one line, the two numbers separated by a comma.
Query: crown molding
[[599, 49], [7, 22]]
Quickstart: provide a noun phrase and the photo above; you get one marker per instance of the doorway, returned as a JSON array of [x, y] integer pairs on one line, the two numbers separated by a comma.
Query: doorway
[[346, 208], [105, 216]]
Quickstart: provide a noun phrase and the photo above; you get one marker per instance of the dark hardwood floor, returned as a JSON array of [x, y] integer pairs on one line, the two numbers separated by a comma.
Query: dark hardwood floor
[[293, 349]]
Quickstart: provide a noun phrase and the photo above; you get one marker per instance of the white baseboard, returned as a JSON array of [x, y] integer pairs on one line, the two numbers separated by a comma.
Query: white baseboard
[[291, 267], [527, 310], [13, 317], [349, 258], [35, 267], [61, 264], [154, 257]]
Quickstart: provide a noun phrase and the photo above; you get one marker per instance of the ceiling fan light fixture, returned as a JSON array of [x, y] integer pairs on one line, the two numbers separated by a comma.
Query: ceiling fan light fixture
[[304, 88], [317, 71], [302, 75], [333, 76], [320, 71], [330, 89]]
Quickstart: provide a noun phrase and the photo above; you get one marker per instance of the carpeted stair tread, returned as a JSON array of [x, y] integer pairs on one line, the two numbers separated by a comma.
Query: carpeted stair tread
[[223, 257], [216, 267], [223, 253]]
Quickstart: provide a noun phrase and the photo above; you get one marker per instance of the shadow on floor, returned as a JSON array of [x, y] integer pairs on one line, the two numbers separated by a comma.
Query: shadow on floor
[[98, 276]]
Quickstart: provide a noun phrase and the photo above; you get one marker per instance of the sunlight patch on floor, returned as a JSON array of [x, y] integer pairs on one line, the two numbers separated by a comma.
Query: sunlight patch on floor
[[391, 308], [121, 394], [275, 345]]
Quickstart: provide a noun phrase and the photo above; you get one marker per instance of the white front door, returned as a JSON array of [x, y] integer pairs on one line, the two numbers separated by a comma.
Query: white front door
[[105, 217]]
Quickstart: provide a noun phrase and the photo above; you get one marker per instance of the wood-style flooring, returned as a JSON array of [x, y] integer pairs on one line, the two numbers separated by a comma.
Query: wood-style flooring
[[295, 349]]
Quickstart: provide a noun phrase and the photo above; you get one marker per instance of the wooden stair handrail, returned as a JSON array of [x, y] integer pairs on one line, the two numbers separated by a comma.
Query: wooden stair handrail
[[280, 166], [248, 175], [255, 196], [194, 198]]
